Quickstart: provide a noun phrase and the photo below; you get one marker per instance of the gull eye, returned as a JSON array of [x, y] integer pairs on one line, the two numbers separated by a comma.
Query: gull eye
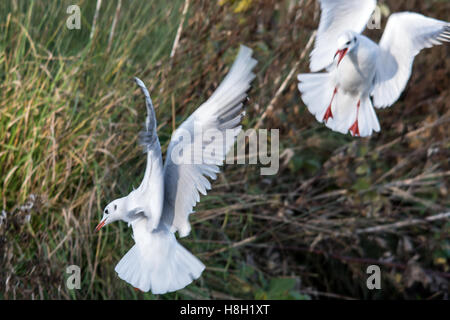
[[115, 207], [348, 42], [106, 211]]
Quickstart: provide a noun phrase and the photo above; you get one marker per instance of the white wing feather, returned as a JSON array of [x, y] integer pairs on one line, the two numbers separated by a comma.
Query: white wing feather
[[151, 189], [222, 111], [337, 17], [406, 34]]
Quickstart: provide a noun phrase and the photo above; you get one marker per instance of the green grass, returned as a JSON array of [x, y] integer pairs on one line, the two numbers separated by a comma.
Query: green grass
[[69, 118]]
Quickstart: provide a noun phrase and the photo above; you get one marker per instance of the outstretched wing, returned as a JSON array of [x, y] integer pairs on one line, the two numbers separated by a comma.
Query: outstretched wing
[[152, 185], [199, 146], [337, 17], [406, 34], [148, 138]]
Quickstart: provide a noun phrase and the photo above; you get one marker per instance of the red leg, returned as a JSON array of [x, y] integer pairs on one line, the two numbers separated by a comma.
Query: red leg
[[355, 128], [137, 290], [328, 113]]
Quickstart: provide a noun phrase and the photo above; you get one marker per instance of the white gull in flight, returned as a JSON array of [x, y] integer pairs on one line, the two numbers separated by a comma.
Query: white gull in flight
[[161, 205], [361, 74]]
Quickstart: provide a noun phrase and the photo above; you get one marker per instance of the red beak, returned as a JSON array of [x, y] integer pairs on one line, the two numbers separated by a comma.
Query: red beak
[[100, 225], [341, 54]]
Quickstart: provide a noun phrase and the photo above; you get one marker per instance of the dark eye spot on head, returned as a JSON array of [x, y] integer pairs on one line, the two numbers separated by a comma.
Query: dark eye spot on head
[[106, 211], [348, 42], [115, 207]]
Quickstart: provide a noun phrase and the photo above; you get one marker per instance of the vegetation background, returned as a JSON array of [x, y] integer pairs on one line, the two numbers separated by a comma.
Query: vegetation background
[[69, 117]]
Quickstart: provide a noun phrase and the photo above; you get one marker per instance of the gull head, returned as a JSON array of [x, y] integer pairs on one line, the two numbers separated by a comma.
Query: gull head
[[113, 212], [346, 43]]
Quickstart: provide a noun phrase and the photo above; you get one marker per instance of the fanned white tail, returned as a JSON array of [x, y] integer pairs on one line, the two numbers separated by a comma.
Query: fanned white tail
[[157, 262], [317, 91]]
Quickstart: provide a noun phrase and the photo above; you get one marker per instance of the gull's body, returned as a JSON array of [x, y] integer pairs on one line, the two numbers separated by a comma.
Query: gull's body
[[361, 74], [160, 206], [356, 72]]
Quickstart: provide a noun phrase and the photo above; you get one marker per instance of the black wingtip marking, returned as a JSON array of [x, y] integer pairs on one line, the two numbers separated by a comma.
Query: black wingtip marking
[[148, 137]]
